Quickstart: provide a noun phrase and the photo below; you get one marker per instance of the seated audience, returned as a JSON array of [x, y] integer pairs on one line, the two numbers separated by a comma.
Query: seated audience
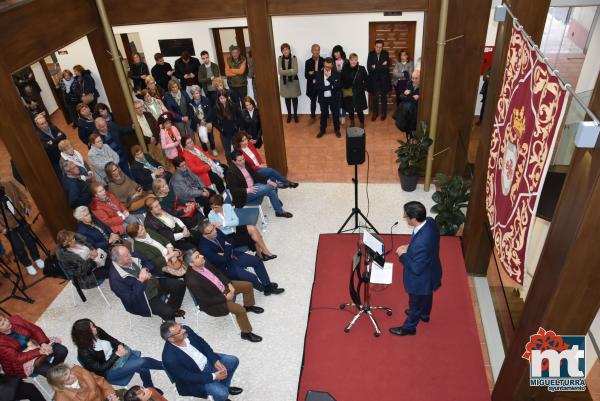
[[17, 229], [251, 122], [202, 108], [178, 103], [85, 122], [170, 227], [127, 191], [141, 293], [75, 182], [188, 186], [221, 253], [150, 130], [102, 110], [204, 165], [239, 225], [50, 136], [194, 367], [14, 388], [107, 208], [215, 293], [139, 393], [96, 232], [152, 104], [157, 249], [248, 186], [408, 108], [188, 212], [111, 135], [25, 349], [145, 169], [80, 259], [100, 155], [78, 384], [108, 357], [242, 143], [69, 154], [170, 138]]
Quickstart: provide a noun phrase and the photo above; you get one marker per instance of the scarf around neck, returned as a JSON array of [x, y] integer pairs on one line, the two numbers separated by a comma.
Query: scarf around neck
[[284, 67]]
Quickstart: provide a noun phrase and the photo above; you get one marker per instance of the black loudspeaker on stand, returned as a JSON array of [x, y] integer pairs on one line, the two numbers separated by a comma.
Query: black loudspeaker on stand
[[355, 155]]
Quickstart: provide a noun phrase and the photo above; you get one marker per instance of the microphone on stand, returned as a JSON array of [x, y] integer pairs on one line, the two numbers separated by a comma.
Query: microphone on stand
[[392, 248]]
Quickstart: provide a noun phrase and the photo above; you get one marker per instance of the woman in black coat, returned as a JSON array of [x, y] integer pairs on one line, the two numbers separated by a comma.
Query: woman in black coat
[[85, 86], [226, 117], [108, 357], [80, 259], [251, 122], [138, 71], [354, 85]]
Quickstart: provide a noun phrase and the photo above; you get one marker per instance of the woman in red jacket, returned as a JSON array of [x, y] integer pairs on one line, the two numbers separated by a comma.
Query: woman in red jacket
[[204, 165], [109, 210], [241, 142], [22, 343]]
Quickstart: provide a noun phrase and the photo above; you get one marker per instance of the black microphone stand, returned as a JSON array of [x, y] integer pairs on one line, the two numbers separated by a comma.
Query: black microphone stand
[[392, 237], [356, 210]]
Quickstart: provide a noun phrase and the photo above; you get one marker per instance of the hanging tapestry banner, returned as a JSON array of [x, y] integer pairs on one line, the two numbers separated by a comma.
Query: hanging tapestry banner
[[528, 116]]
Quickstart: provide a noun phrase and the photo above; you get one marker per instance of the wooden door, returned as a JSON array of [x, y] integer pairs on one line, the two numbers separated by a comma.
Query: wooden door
[[395, 36]]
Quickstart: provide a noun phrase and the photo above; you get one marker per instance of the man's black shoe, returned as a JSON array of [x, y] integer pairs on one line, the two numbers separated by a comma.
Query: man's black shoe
[[254, 309], [293, 184], [253, 338], [373, 117], [423, 319], [273, 290], [399, 331], [282, 185], [338, 134], [235, 390], [383, 117], [284, 214], [268, 257], [320, 134]]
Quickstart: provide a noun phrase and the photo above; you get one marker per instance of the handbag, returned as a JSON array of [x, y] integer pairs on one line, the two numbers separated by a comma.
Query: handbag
[[203, 133], [347, 92], [87, 98]]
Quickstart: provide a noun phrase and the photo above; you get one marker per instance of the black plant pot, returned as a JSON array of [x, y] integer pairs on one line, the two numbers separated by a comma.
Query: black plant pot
[[408, 182]]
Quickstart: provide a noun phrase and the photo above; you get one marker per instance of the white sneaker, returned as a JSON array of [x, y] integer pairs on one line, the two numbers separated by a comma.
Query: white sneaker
[[342, 120], [39, 263], [31, 270], [215, 153]]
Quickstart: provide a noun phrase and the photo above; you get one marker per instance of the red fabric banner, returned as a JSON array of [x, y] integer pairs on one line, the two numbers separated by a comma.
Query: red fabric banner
[[529, 113]]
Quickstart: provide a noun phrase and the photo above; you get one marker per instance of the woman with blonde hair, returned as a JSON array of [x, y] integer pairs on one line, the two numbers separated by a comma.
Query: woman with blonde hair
[[79, 384], [69, 154], [69, 96]]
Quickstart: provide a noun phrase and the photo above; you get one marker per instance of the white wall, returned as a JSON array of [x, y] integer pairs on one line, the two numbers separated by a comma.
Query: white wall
[[47, 96], [80, 52], [591, 64], [351, 31]]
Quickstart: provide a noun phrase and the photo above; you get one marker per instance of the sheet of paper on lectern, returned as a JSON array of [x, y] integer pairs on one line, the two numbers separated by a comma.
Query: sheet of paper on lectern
[[372, 243], [382, 275]]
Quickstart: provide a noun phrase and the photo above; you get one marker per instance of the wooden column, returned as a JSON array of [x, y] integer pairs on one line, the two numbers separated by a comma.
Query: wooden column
[[261, 32], [108, 75], [460, 79], [476, 244], [19, 135], [564, 293]]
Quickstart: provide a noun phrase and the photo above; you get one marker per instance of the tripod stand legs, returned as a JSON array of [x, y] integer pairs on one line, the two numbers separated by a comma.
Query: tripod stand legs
[[362, 309]]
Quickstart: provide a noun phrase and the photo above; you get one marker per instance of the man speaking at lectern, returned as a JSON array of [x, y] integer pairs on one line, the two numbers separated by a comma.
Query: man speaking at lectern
[[422, 267]]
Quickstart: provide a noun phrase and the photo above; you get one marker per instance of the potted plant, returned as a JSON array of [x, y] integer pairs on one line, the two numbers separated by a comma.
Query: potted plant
[[450, 199], [410, 155]]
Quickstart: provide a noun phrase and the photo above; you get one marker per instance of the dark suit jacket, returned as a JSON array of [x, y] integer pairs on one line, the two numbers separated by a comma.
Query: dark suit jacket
[[237, 183], [182, 369], [211, 251], [130, 291], [77, 191], [422, 266], [94, 236], [209, 298], [141, 175], [335, 81], [252, 126], [50, 143], [379, 77], [309, 65], [153, 223]]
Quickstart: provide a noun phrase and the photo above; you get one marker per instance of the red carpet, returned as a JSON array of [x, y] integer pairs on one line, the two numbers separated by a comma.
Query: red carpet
[[443, 362]]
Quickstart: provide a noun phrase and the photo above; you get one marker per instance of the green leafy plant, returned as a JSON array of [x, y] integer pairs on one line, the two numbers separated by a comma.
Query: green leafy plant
[[412, 152], [452, 196]]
